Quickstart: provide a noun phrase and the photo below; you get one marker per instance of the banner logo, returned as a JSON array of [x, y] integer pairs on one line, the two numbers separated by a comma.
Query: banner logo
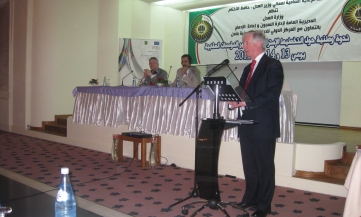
[[351, 15], [201, 28]]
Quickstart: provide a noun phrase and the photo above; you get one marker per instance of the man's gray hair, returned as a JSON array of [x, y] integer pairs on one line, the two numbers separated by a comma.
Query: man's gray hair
[[258, 35], [153, 58]]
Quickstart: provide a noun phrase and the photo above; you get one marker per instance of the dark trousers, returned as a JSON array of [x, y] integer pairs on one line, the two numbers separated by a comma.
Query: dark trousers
[[259, 171]]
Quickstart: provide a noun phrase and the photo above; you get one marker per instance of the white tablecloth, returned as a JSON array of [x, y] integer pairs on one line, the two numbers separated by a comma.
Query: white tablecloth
[[156, 110]]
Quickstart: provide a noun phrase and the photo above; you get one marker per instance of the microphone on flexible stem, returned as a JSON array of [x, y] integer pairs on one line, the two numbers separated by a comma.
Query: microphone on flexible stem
[[169, 72], [217, 67], [234, 69], [126, 76]]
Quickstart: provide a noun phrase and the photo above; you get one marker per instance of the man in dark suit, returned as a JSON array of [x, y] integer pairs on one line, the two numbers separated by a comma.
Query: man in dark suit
[[262, 80], [154, 74]]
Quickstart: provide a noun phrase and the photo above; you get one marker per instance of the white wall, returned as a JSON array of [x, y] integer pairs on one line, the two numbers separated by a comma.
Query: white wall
[[108, 41], [125, 19], [318, 90], [5, 111], [164, 23], [18, 67], [351, 94], [174, 43], [64, 54], [4, 66]]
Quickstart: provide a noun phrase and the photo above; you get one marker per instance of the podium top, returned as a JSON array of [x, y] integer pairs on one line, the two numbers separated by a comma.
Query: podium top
[[233, 82], [225, 90]]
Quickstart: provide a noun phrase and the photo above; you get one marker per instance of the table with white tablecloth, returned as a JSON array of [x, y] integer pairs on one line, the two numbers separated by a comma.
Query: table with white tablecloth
[[156, 109]]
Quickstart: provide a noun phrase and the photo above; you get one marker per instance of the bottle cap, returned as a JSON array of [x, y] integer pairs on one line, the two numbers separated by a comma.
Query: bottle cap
[[65, 170]]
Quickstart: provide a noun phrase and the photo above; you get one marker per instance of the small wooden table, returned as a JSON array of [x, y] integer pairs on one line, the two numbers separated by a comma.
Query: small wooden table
[[143, 142]]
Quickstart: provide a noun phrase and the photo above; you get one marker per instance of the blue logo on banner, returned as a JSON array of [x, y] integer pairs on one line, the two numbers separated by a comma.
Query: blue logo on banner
[[156, 43]]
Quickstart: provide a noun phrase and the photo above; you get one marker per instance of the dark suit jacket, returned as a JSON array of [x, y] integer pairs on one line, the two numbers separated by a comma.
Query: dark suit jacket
[[264, 89]]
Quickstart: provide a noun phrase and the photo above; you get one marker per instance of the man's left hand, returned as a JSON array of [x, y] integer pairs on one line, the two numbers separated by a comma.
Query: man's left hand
[[237, 104]]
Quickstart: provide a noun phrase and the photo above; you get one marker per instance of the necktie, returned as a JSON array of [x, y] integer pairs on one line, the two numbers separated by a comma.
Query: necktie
[[248, 78], [250, 74]]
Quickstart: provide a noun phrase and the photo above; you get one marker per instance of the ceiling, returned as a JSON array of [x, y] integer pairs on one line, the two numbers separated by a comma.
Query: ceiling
[[193, 4]]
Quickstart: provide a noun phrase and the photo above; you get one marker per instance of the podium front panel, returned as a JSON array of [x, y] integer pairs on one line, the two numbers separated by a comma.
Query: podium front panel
[[207, 154]]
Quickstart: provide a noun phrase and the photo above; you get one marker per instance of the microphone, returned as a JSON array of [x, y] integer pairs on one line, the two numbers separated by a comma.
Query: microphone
[[234, 69], [217, 67], [126, 76], [169, 72]]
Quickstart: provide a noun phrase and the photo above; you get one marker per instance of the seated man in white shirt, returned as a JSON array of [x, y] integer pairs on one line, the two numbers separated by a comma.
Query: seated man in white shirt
[[189, 76]]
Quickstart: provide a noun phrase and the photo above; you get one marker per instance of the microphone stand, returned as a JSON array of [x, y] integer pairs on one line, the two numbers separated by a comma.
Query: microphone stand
[[170, 68], [194, 192], [197, 90], [126, 76], [169, 72]]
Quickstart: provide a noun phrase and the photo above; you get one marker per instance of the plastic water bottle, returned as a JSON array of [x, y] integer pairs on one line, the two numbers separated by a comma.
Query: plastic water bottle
[[153, 151], [65, 204], [105, 81], [177, 82], [134, 82]]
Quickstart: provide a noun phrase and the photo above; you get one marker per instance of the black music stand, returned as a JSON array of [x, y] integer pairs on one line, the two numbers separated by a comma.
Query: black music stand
[[207, 150]]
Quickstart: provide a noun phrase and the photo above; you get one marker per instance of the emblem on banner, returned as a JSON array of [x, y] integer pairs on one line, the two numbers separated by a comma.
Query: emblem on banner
[[351, 15], [201, 28]]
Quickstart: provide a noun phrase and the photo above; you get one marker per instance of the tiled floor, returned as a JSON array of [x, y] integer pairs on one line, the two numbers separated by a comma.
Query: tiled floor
[[327, 135], [127, 188]]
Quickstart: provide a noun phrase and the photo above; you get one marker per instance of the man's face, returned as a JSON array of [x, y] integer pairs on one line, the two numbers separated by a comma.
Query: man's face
[[185, 62], [153, 64], [252, 49]]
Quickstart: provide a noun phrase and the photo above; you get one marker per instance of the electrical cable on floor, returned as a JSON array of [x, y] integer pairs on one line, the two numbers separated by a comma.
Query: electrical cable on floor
[[165, 162]]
